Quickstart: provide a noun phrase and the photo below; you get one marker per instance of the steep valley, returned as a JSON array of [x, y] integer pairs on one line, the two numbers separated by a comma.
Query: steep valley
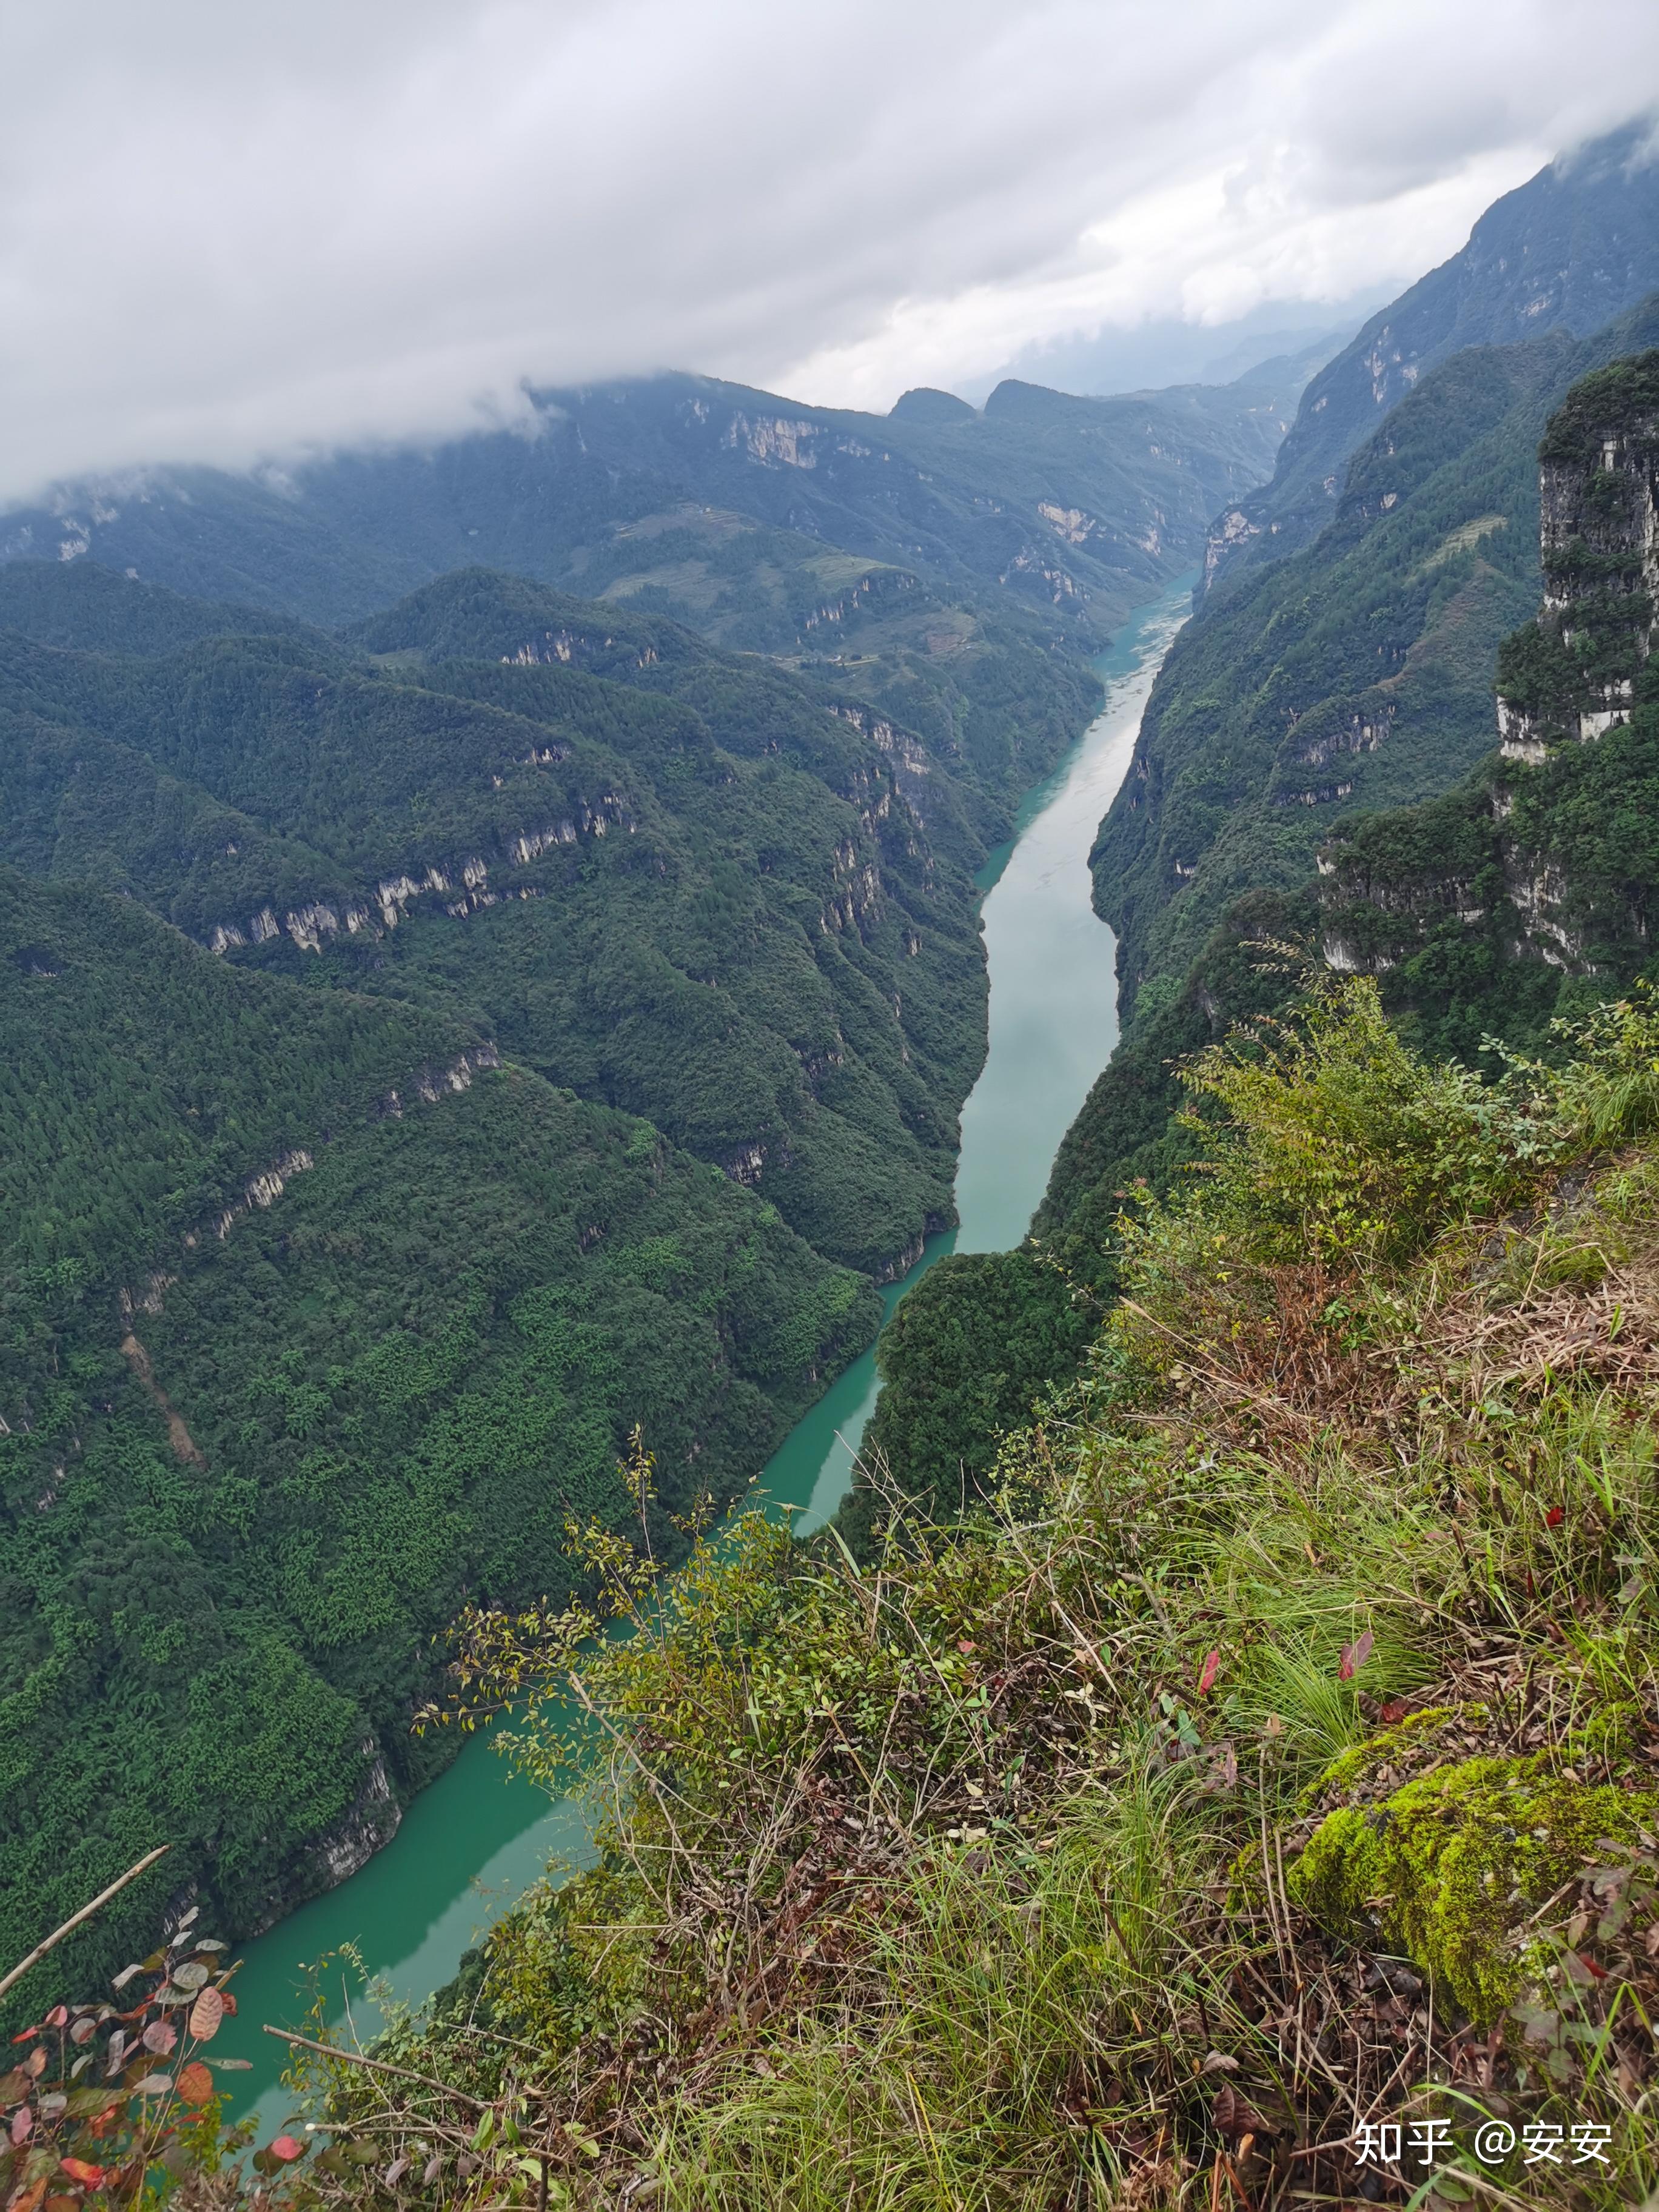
[[441, 1043]]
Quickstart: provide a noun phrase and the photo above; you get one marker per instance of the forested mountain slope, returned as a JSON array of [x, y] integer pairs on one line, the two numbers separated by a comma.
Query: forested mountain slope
[[1357, 673], [1530, 891], [1524, 893], [683, 886], [1276, 1748], [514, 1010], [966, 498], [953, 573], [315, 1315], [1571, 249]]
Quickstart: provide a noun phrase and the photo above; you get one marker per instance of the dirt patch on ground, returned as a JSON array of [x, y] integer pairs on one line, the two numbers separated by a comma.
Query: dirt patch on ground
[[184, 1447]]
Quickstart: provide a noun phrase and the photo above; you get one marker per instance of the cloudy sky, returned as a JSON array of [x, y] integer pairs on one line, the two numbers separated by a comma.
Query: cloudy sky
[[235, 231]]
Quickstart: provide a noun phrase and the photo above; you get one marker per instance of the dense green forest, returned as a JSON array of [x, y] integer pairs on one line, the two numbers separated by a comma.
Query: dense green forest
[[674, 880], [317, 1319], [949, 573], [470, 1063], [459, 1036], [424, 1047]]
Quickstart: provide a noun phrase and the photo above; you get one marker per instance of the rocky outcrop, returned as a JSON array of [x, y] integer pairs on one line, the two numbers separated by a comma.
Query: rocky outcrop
[[261, 1191], [369, 1823], [459, 887], [906, 1258], [880, 590], [429, 1084], [1574, 675], [1495, 856], [854, 902], [566, 647]]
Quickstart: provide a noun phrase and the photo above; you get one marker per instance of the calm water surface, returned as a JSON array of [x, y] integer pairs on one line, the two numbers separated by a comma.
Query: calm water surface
[[480, 1835]]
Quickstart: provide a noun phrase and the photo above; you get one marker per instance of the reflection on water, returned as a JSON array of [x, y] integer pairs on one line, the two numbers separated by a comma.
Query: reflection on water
[[480, 1834]]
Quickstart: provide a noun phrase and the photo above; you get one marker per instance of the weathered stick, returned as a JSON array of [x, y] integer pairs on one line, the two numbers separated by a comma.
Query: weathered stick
[[376, 2066], [75, 1919]]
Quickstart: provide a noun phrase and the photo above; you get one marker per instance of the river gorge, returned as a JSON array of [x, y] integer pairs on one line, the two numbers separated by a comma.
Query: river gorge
[[478, 1836]]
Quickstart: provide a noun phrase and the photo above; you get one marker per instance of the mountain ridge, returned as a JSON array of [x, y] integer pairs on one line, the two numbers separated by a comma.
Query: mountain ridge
[[1574, 246]]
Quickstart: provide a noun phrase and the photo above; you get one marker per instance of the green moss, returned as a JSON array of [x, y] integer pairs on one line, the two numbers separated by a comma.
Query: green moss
[[1387, 1749], [1451, 1864]]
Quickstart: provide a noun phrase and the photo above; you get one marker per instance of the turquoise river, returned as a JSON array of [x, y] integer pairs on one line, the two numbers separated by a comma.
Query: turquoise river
[[480, 1835]]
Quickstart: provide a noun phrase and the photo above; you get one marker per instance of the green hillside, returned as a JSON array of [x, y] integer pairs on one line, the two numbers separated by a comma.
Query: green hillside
[[1524, 894], [314, 1319], [952, 576], [1355, 675], [671, 879], [1528, 893], [1278, 1739]]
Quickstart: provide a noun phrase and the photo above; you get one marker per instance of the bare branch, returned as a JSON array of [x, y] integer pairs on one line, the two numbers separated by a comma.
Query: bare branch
[[376, 2066], [75, 1919]]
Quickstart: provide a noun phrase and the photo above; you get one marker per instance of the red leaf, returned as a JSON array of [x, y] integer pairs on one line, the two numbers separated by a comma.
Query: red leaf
[[962, 1644], [206, 2014], [286, 2149], [1599, 1972], [1354, 1656], [57, 2016], [1393, 1711], [22, 2121], [1555, 1516], [159, 2037], [195, 2083], [80, 2169], [1208, 1671]]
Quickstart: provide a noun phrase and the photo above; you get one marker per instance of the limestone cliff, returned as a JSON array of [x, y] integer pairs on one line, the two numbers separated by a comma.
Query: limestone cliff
[[1546, 854]]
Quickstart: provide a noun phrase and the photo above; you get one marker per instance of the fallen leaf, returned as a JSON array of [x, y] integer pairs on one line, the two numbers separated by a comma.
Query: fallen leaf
[[1555, 1516], [1234, 2116], [1208, 1671]]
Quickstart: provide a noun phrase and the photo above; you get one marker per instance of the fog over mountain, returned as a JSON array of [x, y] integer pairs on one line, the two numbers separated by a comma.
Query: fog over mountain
[[230, 233]]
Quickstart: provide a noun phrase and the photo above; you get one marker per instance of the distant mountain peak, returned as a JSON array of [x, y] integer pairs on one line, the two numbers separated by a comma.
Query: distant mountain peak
[[926, 404]]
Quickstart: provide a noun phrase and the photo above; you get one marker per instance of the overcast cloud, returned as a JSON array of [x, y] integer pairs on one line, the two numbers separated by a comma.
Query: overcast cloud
[[231, 230]]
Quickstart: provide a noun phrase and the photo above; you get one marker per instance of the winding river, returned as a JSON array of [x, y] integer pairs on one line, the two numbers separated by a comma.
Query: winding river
[[480, 1835]]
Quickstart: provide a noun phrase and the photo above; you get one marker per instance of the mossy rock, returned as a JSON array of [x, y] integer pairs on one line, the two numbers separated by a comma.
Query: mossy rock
[[1405, 1743], [1448, 1865]]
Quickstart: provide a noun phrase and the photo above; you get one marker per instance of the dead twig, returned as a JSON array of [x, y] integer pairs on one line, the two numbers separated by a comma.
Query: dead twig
[[75, 1919]]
